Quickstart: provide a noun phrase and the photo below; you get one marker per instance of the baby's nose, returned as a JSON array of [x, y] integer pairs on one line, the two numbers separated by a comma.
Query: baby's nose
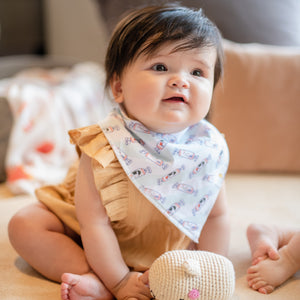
[[179, 81]]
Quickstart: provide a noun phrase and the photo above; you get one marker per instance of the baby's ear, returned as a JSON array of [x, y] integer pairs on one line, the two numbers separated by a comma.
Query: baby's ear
[[116, 88]]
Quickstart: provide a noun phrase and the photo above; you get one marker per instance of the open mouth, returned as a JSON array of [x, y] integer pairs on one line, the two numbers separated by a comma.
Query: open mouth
[[175, 99]]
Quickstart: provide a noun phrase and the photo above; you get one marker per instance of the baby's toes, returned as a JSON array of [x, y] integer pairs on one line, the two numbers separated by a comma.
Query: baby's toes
[[252, 269], [266, 289], [251, 277], [64, 291], [255, 281], [258, 284]]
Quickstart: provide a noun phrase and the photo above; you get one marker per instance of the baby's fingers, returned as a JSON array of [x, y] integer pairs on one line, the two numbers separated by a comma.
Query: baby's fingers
[[273, 254], [145, 278], [258, 259], [140, 298]]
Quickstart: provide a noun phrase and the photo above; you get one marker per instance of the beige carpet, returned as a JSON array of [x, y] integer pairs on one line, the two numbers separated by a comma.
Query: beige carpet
[[252, 198]]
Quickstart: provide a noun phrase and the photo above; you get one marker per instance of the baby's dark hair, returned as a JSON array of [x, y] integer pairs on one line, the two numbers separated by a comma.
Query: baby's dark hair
[[145, 30]]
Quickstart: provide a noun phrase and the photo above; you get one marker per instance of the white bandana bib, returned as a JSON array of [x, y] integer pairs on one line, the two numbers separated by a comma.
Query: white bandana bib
[[180, 174]]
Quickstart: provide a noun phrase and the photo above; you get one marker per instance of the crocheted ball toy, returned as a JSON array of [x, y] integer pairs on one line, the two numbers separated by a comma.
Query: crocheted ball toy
[[191, 275]]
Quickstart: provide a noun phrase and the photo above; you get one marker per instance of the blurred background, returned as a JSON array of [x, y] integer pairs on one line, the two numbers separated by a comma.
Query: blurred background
[[67, 28], [80, 28]]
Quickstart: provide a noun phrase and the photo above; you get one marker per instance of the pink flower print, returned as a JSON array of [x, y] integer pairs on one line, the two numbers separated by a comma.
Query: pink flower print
[[16, 173], [193, 294], [45, 147]]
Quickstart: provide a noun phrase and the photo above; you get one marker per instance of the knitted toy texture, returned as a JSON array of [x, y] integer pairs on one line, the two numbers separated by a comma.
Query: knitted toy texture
[[191, 275]]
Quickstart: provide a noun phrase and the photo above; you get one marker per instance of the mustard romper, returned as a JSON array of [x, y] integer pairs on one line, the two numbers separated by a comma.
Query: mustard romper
[[142, 231]]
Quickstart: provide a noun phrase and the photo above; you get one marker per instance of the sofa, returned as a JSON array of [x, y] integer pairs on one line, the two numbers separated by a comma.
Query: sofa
[[256, 107]]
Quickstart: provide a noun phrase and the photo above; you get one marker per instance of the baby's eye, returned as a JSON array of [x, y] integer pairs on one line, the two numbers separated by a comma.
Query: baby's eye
[[159, 68], [197, 72]]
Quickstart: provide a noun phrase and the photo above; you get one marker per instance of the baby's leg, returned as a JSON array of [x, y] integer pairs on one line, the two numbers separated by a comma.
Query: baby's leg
[[268, 274], [45, 243], [41, 239], [263, 241]]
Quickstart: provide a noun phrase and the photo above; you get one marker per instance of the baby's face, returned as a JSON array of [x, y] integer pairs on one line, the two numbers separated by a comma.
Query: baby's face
[[168, 91]]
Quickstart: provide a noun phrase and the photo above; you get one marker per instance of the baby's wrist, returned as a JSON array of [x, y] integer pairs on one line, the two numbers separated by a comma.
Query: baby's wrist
[[115, 290]]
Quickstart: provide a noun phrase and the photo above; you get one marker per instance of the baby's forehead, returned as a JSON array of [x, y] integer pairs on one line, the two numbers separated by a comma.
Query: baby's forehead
[[151, 49], [170, 49]]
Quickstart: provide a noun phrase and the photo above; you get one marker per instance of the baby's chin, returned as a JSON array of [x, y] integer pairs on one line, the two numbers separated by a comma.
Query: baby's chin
[[168, 128]]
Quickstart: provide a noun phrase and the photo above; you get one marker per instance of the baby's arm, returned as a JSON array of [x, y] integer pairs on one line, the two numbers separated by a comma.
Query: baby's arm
[[100, 243], [216, 231]]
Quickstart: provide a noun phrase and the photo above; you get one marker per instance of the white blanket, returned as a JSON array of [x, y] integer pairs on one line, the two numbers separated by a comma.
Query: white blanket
[[45, 105]]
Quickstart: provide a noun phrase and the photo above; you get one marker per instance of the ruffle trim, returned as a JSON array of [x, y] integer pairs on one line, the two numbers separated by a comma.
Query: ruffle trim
[[110, 179]]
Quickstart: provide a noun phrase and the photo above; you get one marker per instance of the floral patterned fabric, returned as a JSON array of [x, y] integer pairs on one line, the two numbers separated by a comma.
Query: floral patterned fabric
[[45, 105]]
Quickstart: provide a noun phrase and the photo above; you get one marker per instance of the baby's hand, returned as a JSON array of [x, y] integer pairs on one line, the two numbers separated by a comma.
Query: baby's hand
[[133, 286], [268, 252]]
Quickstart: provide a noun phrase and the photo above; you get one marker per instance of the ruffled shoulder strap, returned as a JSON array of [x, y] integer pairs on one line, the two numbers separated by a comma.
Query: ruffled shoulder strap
[[110, 179], [91, 141]]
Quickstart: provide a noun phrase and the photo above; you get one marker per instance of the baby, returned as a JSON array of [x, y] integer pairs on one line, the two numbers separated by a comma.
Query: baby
[[150, 177], [275, 256]]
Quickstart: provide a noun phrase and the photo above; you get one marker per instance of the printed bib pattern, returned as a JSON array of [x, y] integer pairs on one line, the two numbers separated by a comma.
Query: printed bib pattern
[[181, 174]]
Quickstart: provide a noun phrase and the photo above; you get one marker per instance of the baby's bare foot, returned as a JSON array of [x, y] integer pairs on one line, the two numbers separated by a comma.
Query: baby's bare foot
[[269, 274], [83, 287], [263, 241]]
